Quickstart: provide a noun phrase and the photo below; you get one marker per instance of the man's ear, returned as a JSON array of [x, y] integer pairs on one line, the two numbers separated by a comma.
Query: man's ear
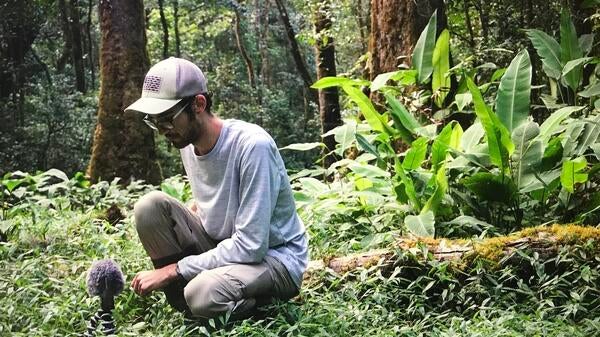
[[199, 103]]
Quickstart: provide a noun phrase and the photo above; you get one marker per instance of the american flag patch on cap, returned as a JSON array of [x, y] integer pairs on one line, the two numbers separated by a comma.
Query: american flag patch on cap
[[152, 83]]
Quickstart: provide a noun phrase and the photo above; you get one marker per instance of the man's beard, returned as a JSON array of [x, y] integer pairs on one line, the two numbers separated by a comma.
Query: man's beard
[[181, 141]]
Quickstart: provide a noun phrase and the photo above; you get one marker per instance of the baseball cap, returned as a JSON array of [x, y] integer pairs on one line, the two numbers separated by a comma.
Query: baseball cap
[[167, 83]]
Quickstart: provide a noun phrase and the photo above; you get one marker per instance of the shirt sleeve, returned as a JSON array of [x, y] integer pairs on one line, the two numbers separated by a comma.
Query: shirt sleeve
[[258, 192]]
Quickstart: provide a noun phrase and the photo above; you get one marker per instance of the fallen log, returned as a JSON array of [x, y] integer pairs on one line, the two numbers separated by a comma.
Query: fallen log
[[545, 240]]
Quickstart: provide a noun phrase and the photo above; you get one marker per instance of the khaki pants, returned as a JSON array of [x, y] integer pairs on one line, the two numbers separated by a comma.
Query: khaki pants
[[169, 231]]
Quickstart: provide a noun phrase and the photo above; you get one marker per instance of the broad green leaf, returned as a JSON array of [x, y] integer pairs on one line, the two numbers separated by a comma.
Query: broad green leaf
[[405, 77], [552, 123], [440, 147], [406, 135], [596, 149], [344, 137], [11, 184], [303, 146], [504, 135], [440, 84], [491, 187], [465, 220], [368, 171], [553, 154], [498, 74], [572, 174], [372, 117], [497, 148], [569, 49], [543, 180], [56, 174], [427, 131], [423, 53], [363, 184], [549, 50], [573, 65], [366, 146], [590, 91], [313, 186], [415, 154], [441, 186], [472, 136], [409, 187], [421, 225], [330, 81], [462, 100], [512, 101], [381, 79], [400, 111], [589, 136], [570, 137], [456, 137], [528, 153]]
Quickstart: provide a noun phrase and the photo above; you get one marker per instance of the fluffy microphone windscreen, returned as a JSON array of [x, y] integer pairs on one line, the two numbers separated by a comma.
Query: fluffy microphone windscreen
[[105, 278]]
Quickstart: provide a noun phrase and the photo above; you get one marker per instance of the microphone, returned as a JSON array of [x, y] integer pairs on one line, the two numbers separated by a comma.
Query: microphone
[[105, 280]]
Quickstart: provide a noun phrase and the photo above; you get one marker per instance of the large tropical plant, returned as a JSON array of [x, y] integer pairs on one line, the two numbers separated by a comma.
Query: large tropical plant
[[564, 64]]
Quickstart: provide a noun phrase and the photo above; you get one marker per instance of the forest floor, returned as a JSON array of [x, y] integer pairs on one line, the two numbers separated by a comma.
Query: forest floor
[[44, 260]]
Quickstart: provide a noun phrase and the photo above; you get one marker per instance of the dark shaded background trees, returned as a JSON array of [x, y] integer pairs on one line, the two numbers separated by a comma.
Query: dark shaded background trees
[[49, 62]]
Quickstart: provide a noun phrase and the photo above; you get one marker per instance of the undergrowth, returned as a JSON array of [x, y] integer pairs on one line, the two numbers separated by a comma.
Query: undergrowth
[[51, 239]]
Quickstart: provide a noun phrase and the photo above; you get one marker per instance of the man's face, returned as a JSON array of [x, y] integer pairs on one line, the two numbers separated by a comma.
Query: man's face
[[183, 128]]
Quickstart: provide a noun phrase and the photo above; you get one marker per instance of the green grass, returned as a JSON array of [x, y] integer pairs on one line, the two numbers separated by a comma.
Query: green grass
[[51, 246]]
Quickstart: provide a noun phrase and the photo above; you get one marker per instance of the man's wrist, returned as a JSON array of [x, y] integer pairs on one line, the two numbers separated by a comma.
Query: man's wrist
[[178, 274]]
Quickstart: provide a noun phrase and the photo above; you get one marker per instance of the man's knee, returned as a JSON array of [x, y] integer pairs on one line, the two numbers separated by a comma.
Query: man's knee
[[209, 295], [148, 208]]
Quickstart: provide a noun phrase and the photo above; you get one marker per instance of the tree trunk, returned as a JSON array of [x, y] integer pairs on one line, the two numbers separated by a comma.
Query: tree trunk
[[242, 48], [165, 28], [469, 24], [90, 50], [546, 241], [262, 28], [67, 39], [329, 105], [395, 29], [176, 28], [123, 145], [76, 44], [484, 19], [363, 27], [295, 50]]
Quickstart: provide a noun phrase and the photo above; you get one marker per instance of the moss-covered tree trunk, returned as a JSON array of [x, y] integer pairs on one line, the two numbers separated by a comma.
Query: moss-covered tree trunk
[[545, 241], [395, 28], [123, 145]]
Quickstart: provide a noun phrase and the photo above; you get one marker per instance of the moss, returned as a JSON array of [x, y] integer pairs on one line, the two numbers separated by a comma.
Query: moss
[[492, 250], [487, 253]]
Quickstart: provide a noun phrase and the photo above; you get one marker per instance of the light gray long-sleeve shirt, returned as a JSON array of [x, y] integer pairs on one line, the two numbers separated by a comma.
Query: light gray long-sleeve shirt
[[243, 196]]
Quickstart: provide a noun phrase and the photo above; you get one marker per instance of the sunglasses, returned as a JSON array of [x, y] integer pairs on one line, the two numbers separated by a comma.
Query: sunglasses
[[164, 124]]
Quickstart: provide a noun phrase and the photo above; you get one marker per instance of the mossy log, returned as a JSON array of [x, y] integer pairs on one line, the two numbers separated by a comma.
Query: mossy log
[[545, 240]]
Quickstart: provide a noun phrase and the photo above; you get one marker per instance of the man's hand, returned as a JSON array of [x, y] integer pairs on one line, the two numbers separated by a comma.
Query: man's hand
[[147, 281]]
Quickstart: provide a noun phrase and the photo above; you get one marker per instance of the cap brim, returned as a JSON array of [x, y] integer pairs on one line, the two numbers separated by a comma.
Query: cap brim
[[152, 106]]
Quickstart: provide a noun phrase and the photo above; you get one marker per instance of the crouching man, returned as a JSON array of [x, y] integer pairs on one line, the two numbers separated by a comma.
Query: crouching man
[[241, 243]]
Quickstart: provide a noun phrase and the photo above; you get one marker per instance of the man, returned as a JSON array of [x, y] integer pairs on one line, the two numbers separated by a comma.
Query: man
[[241, 243]]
